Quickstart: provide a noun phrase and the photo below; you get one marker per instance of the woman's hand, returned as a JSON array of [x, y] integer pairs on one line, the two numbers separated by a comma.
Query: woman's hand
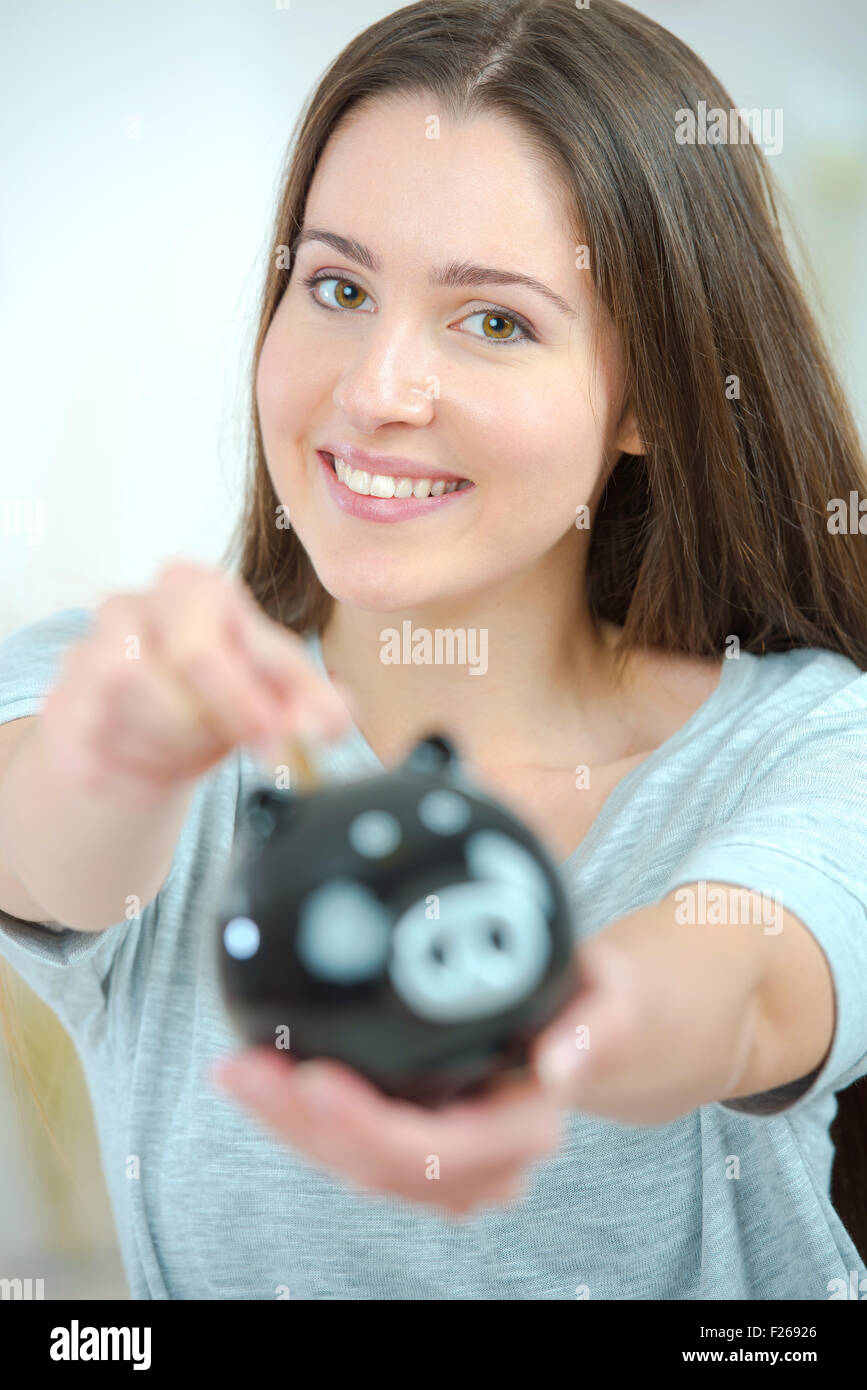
[[468, 1154], [170, 680], [667, 1018]]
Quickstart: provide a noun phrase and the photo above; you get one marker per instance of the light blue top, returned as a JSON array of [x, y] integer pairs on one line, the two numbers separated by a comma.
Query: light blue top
[[765, 786]]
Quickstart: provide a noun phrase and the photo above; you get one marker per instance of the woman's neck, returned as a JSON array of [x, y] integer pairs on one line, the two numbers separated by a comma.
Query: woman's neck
[[507, 686]]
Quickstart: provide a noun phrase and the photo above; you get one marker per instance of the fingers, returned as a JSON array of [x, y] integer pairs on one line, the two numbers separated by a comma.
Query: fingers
[[457, 1158], [227, 697], [144, 715], [170, 680], [280, 656], [201, 644], [577, 1054], [618, 1049]]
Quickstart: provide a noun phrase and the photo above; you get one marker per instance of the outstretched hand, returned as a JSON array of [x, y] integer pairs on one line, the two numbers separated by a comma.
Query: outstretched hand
[[465, 1155], [665, 1020]]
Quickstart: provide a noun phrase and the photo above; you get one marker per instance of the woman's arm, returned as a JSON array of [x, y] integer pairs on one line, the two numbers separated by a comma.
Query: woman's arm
[[711, 994], [74, 856], [95, 789]]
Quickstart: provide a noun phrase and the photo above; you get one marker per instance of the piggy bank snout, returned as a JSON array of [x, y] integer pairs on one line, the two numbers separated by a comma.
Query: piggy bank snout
[[485, 952]]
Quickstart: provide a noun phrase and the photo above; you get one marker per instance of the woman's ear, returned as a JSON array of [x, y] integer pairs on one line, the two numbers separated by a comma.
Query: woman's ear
[[628, 439]]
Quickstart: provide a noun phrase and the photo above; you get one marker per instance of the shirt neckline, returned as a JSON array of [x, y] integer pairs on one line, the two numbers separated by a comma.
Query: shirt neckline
[[355, 743]]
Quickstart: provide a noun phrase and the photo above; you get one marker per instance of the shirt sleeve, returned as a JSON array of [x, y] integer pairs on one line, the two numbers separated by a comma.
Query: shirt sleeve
[[67, 969], [798, 836]]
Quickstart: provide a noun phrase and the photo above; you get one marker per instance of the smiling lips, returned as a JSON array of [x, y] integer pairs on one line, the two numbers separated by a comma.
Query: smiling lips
[[387, 485], [405, 497]]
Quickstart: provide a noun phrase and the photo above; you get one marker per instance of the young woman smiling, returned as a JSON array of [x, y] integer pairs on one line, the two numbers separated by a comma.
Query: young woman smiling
[[495, 267]]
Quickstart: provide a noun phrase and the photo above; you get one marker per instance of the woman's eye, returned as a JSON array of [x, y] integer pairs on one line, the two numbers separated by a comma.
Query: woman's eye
[[348, 295], [344, 292], [502, 326]]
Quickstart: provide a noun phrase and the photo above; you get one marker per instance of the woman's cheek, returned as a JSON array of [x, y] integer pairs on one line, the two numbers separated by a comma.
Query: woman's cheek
[[288, 379], [271, 387], [557, 465]]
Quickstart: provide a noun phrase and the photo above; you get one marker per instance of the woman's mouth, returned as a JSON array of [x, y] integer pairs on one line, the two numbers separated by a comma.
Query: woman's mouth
[[384, 485], [381, 497]]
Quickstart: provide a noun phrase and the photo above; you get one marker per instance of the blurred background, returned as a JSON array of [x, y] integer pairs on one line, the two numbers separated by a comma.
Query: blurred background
[[142, 149]]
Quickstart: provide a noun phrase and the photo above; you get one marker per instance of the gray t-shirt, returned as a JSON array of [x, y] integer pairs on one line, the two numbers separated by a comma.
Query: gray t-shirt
[[764, 786]]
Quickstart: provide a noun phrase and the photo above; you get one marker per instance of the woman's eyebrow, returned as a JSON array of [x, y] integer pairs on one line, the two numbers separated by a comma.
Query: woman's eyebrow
[[457, 274]]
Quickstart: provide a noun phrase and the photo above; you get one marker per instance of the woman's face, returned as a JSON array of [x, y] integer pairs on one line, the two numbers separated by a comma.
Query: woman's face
[[489, 381]]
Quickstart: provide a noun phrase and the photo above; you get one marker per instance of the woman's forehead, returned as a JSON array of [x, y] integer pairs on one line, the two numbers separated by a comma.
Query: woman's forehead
[[436, 182]]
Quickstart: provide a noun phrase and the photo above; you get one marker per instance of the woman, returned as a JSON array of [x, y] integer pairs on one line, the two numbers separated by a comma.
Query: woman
[[644, 440]]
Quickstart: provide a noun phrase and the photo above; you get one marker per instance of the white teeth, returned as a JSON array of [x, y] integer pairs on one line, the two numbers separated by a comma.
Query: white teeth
[[381, 486], [384, 485]]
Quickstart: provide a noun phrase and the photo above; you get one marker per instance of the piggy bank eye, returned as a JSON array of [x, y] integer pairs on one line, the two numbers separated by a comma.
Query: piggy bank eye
[[343, 933], [487, 950], [491, 854], [374, 834], [241, 938], [444, 812]]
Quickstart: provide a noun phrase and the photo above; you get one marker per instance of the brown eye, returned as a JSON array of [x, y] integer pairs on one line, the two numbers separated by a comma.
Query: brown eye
[[497, 327], [502, 326], [348, 296]]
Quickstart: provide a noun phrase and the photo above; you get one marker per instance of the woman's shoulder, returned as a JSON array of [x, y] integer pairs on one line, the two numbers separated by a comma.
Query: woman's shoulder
[[798, 717], [35, 638], [802, 684], [737, 716], [783, 685]]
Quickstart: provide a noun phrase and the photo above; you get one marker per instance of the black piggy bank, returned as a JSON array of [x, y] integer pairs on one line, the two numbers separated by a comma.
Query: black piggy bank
[[405, 924]]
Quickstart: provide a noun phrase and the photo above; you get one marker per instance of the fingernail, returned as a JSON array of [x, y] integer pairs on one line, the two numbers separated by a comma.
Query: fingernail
[[315, 1089]]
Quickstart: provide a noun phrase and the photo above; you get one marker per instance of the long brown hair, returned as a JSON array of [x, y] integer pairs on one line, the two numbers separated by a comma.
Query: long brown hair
[[721, 528]]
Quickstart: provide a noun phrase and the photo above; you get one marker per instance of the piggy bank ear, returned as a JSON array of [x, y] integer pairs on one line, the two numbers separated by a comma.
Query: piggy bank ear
[[265, 807], [432, 754], [492, 855]]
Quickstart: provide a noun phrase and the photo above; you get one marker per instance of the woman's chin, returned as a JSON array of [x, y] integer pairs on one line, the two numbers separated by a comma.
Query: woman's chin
[[374, 595]]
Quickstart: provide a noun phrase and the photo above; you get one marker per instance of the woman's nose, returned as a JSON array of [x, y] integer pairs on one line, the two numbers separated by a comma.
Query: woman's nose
[[388, 377]]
